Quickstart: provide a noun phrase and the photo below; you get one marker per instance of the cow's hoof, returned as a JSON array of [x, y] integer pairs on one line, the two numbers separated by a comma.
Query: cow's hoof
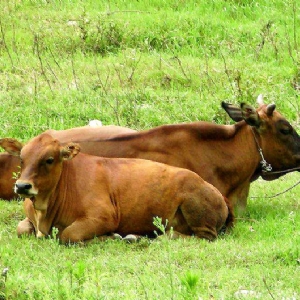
[[130, 238], [116, 236], [40, 234]]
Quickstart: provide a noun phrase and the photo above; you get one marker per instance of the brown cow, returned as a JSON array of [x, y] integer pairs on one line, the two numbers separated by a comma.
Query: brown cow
[[9, 168], [90, 196], [228, 156], [10, 164]]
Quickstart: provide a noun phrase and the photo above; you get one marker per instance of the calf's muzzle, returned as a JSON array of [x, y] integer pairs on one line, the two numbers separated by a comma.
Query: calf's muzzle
[[23, 188]]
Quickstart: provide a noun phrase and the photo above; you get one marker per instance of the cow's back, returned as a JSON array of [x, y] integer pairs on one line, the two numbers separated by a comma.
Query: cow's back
[[87, 133]]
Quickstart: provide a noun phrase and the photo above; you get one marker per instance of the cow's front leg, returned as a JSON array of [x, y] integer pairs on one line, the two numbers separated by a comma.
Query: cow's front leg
[[86, 229], [238, 198], [43, 224], [25, 227], [38, 218]]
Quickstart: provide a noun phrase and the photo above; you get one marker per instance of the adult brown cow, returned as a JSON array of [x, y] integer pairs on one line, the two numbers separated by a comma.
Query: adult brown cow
[[9, 168], [90, 196], [9, 165], [228, 156]]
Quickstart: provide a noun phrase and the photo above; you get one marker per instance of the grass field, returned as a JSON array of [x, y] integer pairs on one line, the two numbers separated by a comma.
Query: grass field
[[141, 64]]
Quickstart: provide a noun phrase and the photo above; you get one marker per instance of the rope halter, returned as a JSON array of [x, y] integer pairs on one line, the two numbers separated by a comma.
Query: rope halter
[[266, 167]]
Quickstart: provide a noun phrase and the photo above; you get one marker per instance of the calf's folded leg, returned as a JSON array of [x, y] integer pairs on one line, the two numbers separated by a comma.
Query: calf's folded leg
[[205, 212], [86, 229]]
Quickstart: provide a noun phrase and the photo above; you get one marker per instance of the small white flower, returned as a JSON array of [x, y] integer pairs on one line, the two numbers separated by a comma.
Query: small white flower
[[72, 23], [4, 272], [95, 123], [246, 293]]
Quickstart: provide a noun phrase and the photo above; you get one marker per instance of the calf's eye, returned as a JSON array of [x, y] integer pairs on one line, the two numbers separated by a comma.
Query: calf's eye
[[49, 161]]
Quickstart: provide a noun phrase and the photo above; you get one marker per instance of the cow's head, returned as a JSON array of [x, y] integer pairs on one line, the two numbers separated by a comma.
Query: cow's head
[[278, 140], [41, 164]]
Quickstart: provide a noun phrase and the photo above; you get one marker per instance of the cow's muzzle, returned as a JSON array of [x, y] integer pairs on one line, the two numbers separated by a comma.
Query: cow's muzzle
[[23, 188]]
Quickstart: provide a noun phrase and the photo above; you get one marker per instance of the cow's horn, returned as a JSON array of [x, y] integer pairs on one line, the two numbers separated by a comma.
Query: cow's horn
[[260, 99], [270, 109]]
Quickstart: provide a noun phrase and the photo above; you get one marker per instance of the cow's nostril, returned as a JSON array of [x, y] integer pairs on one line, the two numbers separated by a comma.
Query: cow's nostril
[[23, 187], [26, 186]]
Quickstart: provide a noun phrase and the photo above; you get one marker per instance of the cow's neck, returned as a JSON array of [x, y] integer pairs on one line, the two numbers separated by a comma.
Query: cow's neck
[[235, 162], [61, 192], [46, 219]]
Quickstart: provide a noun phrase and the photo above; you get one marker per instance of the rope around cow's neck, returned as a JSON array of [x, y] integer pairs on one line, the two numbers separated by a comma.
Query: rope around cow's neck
[[267, 170], [266, 167], [279, 172], [278, 194]]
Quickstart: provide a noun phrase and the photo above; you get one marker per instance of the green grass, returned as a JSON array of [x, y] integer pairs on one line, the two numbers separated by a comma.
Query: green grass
[[263, 248], [141, 64]]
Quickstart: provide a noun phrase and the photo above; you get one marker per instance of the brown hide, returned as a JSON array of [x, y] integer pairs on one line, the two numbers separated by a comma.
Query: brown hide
[[226, 156], [87, 196], [9, 168], [10, 164]]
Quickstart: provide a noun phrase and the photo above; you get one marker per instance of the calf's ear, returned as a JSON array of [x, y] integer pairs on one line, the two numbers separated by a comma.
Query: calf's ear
[[12, 146], [69, 151]]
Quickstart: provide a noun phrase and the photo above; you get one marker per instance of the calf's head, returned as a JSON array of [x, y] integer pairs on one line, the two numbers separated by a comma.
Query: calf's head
[[279, 141], [41, 165]]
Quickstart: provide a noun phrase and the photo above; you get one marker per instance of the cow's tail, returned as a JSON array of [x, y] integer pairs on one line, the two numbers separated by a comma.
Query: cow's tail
[[230, 218]]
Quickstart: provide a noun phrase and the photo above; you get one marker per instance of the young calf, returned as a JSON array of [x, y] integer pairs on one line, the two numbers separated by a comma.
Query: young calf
[[88, 196]]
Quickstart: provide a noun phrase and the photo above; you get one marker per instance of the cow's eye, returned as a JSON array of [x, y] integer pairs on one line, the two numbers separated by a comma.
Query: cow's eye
[[49, 161], [285, 130]]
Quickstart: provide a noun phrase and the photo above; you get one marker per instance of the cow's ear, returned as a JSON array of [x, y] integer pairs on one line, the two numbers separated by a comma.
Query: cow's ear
[[250, 115], [269, 108], [233, 111], [69, 151], [12, 146]]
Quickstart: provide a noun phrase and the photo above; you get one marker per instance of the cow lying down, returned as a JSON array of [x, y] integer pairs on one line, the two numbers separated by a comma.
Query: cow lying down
[[85, 196]]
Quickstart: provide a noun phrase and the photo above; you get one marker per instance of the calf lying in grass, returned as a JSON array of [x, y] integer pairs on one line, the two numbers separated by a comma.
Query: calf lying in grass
[[85, 196]]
